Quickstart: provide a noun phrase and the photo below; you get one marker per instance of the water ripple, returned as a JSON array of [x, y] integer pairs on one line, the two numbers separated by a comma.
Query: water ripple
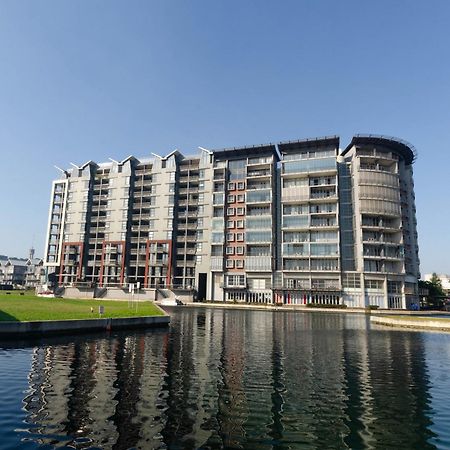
[[230, 379]]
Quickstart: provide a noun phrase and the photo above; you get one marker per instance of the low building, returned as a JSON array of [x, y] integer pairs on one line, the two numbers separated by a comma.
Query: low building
[[22, 272]]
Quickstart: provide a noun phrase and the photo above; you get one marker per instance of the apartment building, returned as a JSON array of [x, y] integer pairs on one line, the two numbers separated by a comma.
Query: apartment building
[[291, 223], [21, 272]]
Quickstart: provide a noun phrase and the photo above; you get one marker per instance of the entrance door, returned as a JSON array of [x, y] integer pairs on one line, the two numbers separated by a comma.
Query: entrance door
[[201, 286]]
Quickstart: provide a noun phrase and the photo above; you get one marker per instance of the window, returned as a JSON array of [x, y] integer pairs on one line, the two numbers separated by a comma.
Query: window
[[231, 186], [217, 198], [351, 280], [151, 234], [198, 259], [170, 211], [240, 237], [199, 246], [240, 224], [374, 284], [239, 264], [201, 173], [230, 211], [229, 264], [240, 250], [241, 198], [169, 223], [240, 211], [231, 198], [241, 185], [201, 197], [216, 238], [169, 235], [230, 250], [230, 223], [230, 237], [201, 209], [172, 187], [124, 225], [200, 222], [201, 185], [171, 176], [235, 280], [171, 200]]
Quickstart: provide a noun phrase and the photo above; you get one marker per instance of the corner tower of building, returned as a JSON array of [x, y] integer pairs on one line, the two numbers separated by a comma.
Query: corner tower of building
[[384, 267]]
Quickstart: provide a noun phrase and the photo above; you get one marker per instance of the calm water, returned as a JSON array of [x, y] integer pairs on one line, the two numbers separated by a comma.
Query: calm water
[[230, 379]]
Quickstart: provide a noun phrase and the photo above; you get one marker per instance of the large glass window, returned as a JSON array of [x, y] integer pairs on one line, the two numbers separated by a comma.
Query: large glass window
[[295, 222], [236, 169], [259, 196], [324, 249], [259, 222], [309, 165], [259, 236], [292, 210], [292, 249]]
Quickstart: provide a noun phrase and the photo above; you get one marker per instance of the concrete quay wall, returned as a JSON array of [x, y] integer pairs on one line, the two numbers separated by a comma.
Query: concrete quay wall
[[425, 323], [40, 328]]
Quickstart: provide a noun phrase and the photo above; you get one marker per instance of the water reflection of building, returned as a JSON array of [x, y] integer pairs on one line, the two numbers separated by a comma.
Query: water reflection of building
[[96, 390], [236, 379]]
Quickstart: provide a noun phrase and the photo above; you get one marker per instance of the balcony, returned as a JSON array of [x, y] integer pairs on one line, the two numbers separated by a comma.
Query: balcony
[[142, 205], [225, 286], [258, 173], [258, 263]]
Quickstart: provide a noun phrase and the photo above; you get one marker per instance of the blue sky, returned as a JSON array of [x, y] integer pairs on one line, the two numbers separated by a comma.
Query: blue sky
[[84, 80]]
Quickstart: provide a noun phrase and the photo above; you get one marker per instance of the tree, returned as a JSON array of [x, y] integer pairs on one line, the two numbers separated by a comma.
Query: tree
[[437, 284], [435, 292]]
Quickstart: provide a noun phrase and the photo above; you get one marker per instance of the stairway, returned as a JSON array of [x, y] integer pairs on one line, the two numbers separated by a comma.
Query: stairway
[[100, 292], [165, 294]]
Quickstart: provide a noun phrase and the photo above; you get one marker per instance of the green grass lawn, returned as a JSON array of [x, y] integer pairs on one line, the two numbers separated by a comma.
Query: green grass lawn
[[28, 307]]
